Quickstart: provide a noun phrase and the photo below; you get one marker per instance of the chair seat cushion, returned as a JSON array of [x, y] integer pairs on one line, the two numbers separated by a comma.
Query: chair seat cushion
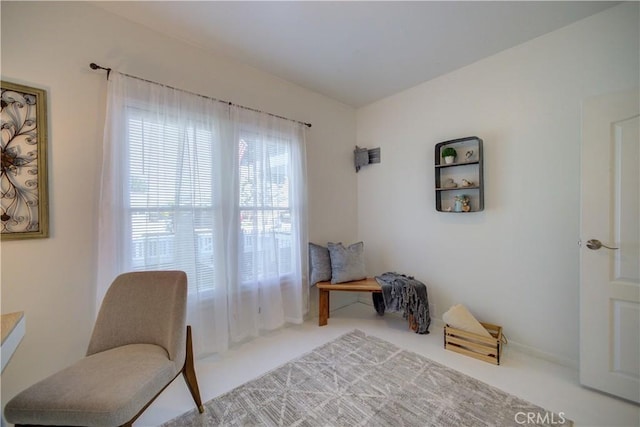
[[105, 389]]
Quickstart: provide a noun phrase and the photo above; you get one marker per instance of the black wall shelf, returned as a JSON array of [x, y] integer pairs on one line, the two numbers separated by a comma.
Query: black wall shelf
[[468, 165]]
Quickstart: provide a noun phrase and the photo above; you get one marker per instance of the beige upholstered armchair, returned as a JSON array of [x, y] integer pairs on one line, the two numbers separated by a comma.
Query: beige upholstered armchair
[[140, 344]]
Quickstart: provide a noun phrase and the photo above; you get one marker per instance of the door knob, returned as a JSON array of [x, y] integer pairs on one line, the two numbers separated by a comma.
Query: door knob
[[596, 244]]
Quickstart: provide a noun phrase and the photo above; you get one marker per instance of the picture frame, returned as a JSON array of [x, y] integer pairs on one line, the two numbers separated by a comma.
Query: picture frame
[[24, 201]]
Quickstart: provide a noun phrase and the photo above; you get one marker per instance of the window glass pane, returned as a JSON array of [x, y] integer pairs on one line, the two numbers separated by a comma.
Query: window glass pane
[[172, 214], [264, 207], [172, 208]]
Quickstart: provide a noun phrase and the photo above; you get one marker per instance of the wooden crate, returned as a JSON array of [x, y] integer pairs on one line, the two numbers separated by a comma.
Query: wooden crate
[[474, 345]]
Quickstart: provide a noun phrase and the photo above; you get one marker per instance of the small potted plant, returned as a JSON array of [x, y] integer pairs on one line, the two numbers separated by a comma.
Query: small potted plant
[[449, 154]]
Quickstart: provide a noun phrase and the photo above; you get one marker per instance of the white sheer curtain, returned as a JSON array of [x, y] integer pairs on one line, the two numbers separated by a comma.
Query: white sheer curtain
[[268, 223], [193, 184]]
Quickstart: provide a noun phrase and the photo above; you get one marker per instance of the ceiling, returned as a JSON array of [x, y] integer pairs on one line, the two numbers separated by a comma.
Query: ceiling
[[355, 51]]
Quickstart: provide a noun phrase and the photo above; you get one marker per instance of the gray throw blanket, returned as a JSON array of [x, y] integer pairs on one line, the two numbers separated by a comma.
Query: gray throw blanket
[[404, 293]]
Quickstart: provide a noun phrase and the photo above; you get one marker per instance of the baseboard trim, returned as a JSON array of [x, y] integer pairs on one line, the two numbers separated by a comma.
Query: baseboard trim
[[528, 350], [516, 346], [550, 357]]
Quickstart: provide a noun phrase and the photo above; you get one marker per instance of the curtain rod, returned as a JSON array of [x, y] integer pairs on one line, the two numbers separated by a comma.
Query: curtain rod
[[95, 66]]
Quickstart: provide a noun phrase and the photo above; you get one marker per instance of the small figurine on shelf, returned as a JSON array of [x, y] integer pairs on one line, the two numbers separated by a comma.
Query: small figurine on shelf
[[450, 183], [466, 183], [468, 155], [461, 204], [465, 205]]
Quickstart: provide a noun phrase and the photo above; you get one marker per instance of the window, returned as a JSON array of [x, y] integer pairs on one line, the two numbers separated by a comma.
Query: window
[[265, 207], [172, 213], [171, 209], [212, 189]]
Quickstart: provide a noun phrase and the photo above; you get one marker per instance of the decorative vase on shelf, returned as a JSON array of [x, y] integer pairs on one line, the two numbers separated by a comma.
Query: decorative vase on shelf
[[449, 159], [461, 204]]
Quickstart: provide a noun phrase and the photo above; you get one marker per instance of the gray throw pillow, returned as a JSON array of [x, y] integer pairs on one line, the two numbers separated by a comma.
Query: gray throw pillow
[[347, 264], [319, 264]]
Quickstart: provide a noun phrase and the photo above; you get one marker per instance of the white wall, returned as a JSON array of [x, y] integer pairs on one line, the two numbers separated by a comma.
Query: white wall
[[50, 45], [516, 263]]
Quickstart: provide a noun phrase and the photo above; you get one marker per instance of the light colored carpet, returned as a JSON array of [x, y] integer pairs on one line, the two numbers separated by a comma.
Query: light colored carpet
[[360, 380]]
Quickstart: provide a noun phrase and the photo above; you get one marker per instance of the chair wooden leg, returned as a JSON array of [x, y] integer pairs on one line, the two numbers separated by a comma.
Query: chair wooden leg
[[189, 372]]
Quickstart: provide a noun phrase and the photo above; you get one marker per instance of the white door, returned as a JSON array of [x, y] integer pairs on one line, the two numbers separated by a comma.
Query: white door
[[610, 216]]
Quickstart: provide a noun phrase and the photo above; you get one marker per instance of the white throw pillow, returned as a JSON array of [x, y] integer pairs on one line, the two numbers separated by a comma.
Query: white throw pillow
[[460, 318]]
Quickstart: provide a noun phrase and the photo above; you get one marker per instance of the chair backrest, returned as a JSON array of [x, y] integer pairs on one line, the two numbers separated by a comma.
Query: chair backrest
[[146, 307]]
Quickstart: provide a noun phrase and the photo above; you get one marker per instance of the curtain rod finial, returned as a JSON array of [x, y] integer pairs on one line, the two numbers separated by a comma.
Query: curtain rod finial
[[95, 66]]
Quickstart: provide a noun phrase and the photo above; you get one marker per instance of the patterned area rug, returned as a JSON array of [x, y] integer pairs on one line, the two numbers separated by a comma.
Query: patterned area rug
[[360, 380]]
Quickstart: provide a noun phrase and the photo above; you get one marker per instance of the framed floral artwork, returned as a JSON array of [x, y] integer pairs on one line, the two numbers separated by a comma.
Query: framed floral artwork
[[24, 210]]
